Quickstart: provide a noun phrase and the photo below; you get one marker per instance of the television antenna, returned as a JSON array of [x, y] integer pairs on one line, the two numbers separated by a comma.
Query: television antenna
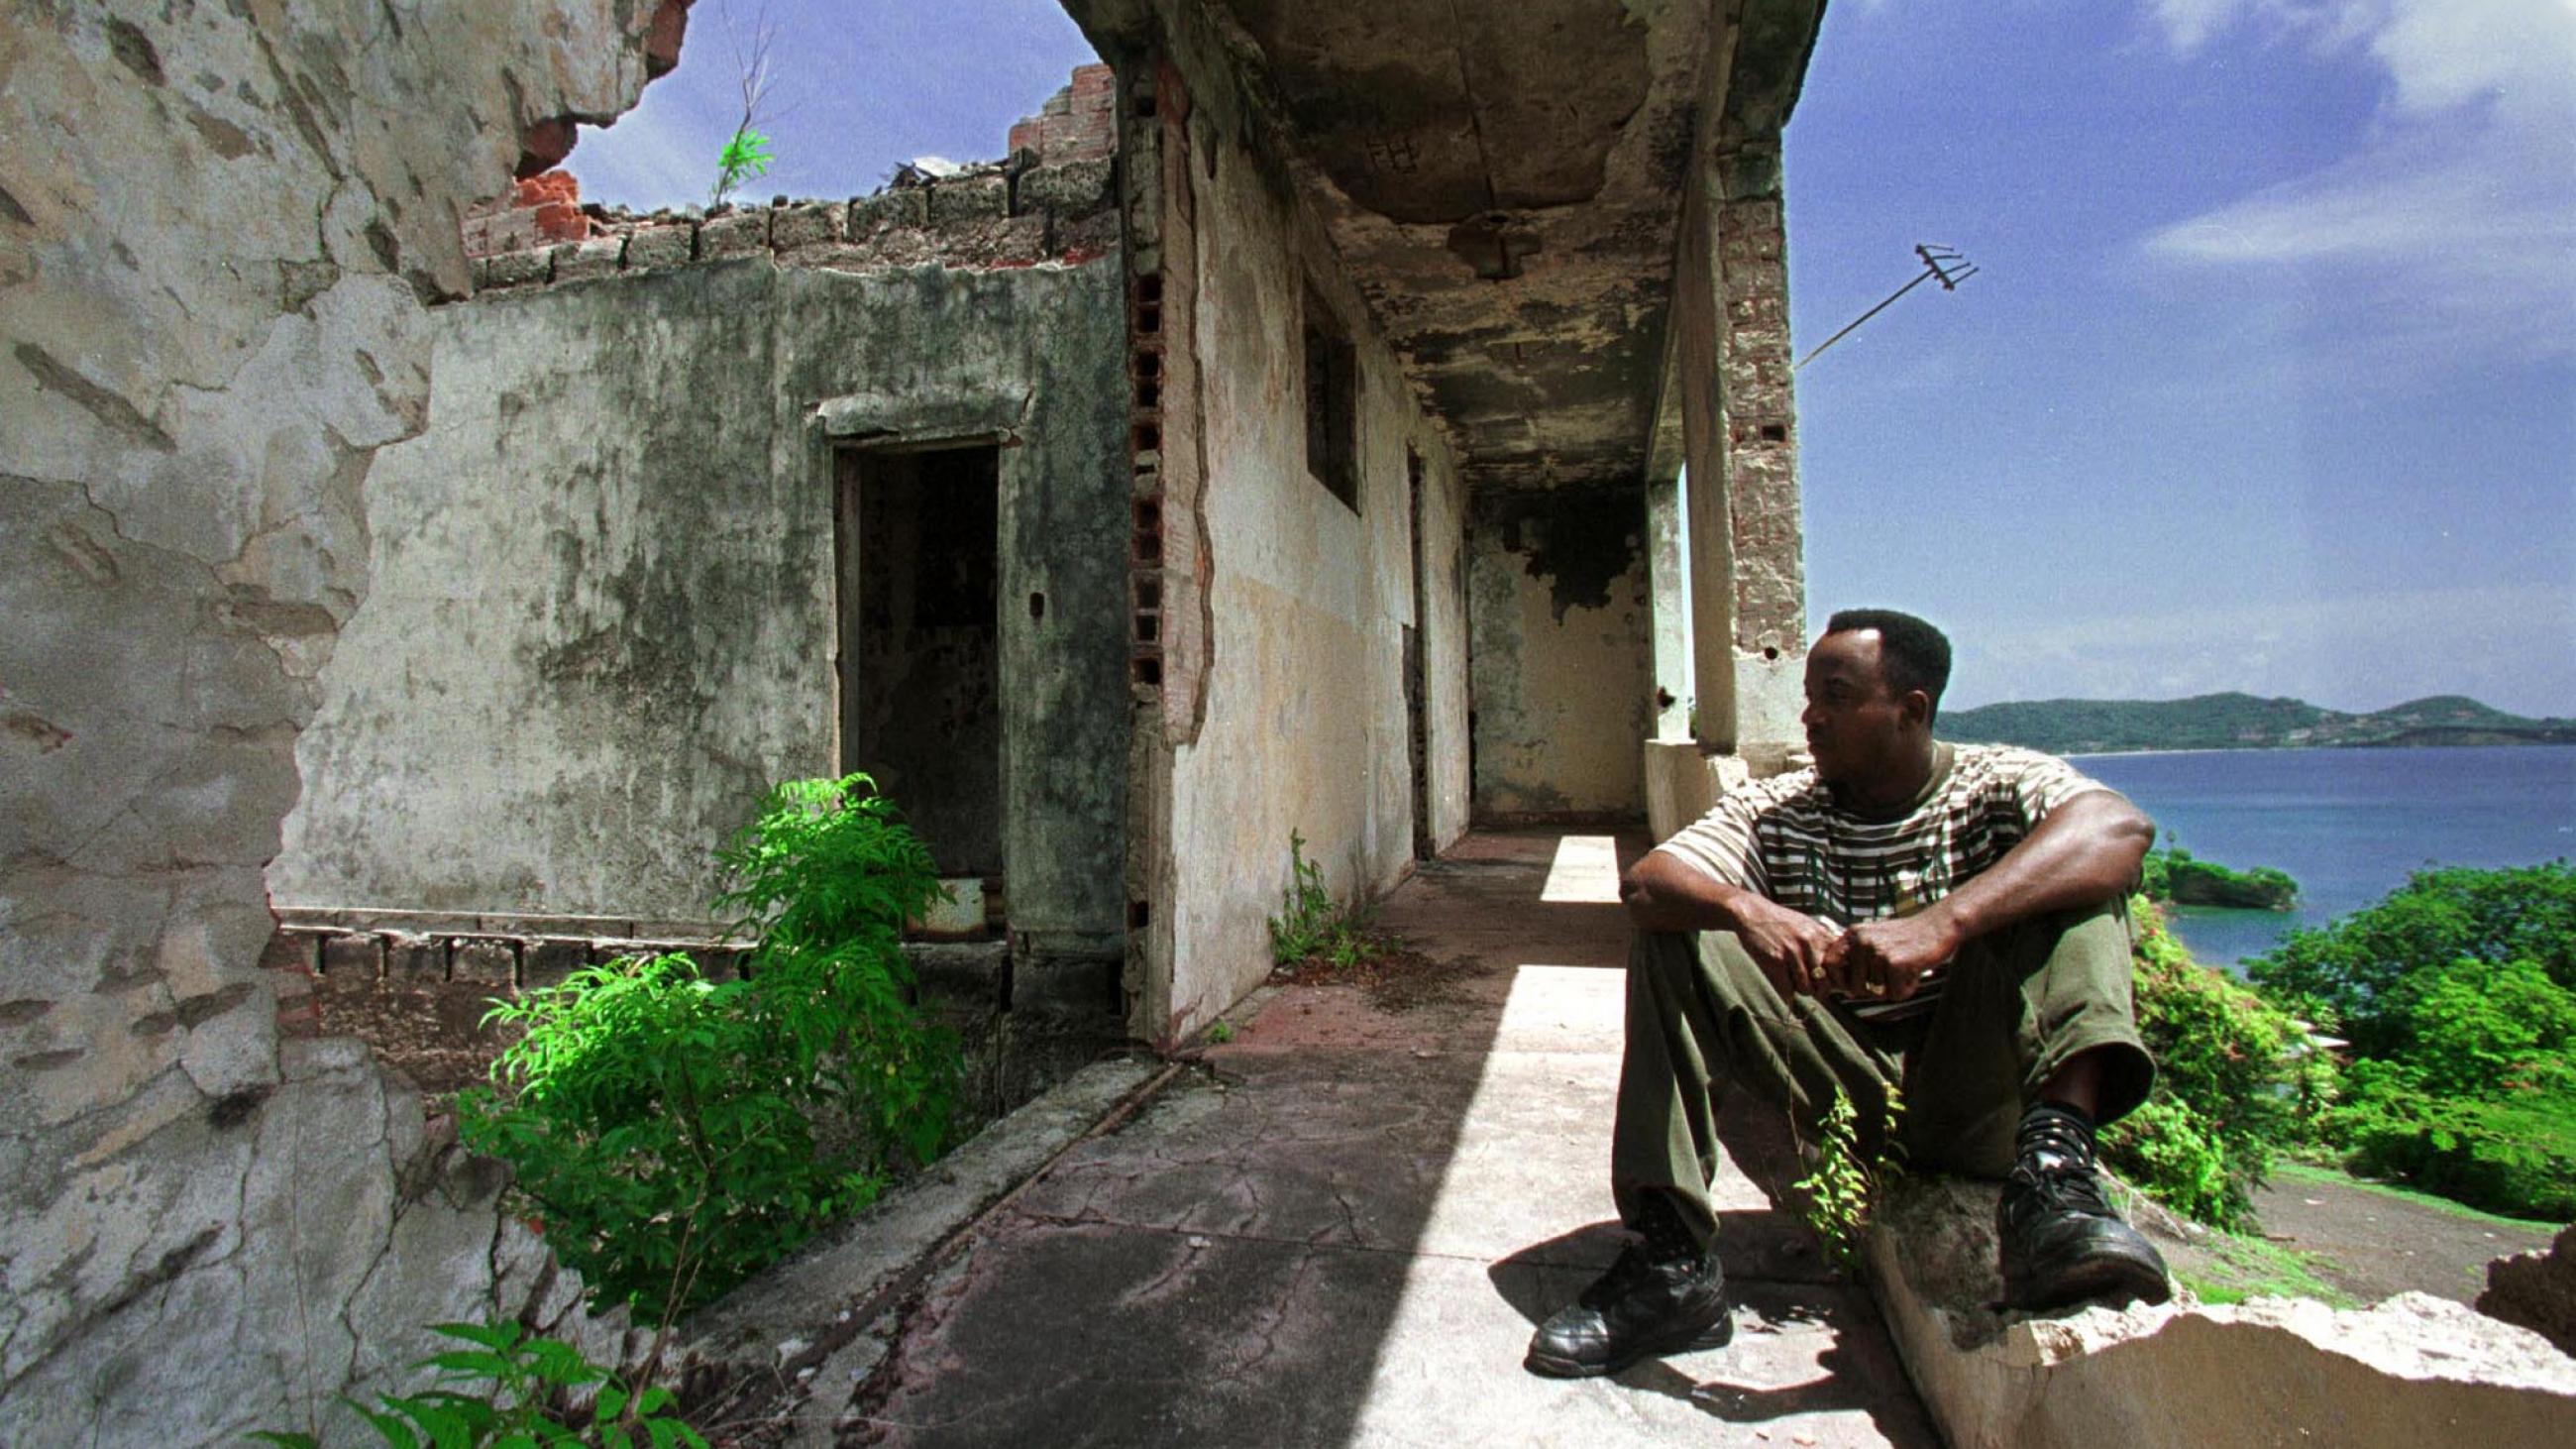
[[1940, 264]]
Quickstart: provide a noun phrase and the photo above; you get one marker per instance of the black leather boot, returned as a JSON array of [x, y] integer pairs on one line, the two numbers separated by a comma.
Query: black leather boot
[[1664, 1295], [2062, 1243]]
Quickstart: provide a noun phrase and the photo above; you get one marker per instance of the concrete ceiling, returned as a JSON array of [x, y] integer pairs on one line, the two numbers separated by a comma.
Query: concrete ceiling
[[1504, 180]]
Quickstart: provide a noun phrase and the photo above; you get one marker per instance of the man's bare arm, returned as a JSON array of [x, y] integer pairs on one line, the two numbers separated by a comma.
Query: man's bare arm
[[1663, 894], [2083, 853]]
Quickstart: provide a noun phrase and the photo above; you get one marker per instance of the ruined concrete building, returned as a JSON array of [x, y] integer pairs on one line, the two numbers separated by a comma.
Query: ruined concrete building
[[1290, 436]]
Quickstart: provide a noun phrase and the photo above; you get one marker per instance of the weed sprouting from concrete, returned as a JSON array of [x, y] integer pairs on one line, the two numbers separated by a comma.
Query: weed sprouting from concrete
[[1836, 1198], [1312, 926]]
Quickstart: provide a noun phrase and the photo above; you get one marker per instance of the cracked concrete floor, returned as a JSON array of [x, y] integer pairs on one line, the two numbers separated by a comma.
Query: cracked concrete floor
[[1343, 1231]]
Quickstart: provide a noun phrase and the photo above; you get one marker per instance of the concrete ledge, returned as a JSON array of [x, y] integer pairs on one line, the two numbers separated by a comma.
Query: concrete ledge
[[775, 1332], [1682, 783], [2413, 1370]]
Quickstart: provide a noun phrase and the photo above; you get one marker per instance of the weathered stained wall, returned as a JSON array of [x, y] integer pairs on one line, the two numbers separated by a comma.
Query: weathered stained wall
[[1563, 653], [619, 527], [217, 225], [1291, 717]]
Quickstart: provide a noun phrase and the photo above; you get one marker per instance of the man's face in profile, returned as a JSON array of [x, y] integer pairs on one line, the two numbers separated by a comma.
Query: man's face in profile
[[1856, 724]]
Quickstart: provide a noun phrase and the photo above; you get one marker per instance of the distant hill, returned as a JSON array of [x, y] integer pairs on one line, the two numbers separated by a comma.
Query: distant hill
[[2242, 722]]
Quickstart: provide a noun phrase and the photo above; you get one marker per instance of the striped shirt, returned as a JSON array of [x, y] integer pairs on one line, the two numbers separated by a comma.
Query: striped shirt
[[1787, 839]]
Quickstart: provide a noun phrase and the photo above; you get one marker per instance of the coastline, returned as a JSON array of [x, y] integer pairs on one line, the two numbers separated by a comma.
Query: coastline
[[2299, 749]]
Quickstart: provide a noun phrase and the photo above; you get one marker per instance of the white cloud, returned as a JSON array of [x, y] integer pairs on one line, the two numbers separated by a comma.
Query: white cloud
[[2452, 223], [2354, 654]]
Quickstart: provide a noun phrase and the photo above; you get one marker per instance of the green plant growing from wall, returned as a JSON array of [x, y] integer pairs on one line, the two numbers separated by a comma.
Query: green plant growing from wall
[[528, 1382], [676, 1133], [1312, 926], [746, 153], [1847, 1183]]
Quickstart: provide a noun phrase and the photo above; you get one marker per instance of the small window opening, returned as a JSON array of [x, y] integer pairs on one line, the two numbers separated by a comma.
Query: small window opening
[[1332, 404]]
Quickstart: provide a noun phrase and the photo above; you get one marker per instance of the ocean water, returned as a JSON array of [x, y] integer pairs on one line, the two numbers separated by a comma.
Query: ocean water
[[2348, 825]]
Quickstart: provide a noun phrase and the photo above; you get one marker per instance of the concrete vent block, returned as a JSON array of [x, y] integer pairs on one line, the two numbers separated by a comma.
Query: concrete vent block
[[661, 246], [738, 234], [515, 269], [598, 257], [810, 224], [902, 207], [1073, 189], [485, 961], [2412, 1371], [547, 961], [968, 199]]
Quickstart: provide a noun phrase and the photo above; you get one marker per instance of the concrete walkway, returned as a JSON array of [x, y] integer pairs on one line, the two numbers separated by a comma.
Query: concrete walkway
[[1343, 1228]]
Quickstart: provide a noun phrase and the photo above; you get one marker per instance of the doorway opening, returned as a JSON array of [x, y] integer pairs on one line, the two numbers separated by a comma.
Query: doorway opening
[[1417, 703], [917, 541]]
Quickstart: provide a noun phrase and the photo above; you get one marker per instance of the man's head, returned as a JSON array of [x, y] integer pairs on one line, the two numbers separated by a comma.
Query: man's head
[[1874, 684]]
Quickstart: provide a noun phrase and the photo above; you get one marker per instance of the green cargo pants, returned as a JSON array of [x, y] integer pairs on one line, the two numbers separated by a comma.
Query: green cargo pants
[[2019, 1004]]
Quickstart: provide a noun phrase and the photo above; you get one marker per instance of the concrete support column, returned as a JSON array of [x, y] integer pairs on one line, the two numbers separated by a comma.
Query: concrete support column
[[1767, 598], [1694, 390], [1707, 511]]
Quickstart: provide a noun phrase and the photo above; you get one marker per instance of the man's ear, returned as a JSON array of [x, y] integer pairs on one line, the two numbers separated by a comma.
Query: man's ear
[[1915, 706]]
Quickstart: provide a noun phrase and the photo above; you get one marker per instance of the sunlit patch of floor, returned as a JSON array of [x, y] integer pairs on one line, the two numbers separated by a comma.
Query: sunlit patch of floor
[[1586, 868], [1521, 1220]]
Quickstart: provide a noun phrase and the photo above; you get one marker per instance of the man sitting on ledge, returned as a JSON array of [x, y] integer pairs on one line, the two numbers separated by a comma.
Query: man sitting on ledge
[[1947, 919]]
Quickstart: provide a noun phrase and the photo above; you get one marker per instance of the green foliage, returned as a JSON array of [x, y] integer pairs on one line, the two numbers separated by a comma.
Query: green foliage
[[2363, 973], [1836, 1197], [2171, 873], [1220, 1032], [530, 1379], [2225, 1087], [2235, 1267], [1312, 926], [678, 1134], [2240, 721], [2458, 993], [2479, 1103], [745, 156]]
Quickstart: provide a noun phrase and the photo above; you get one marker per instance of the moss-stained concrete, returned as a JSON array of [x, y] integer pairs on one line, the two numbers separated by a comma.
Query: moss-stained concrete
[[619, 527], [217, 227], [1563, 654], [1304, 727]]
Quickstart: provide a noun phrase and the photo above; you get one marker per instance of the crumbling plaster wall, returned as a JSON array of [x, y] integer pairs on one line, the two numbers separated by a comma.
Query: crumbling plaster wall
[[217, 226], [1304, 726], [618, 528], [1563, 654]]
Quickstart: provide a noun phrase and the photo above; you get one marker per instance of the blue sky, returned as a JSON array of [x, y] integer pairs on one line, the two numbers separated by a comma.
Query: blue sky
[[2268, 381]]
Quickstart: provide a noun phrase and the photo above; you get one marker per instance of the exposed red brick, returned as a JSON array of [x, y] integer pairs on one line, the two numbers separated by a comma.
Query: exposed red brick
[[544, 145], [552, 186], [662, 37], [562, 221]]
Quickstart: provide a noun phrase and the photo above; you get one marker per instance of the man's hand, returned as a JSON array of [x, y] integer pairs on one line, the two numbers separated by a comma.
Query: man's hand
[[1887, 959], [1791, 947]]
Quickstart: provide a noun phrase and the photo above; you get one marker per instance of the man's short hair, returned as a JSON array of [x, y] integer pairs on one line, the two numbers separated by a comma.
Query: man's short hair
[[1911, 653]]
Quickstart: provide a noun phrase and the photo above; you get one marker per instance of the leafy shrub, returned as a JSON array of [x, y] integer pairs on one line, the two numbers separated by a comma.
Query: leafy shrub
[[677, 1134], [2203, 1140], [530, 1380], [2480, 1103], [2363, 973]]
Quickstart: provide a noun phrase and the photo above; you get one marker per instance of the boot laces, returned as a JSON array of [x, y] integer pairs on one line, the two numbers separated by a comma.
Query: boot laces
[[2056, 1165]]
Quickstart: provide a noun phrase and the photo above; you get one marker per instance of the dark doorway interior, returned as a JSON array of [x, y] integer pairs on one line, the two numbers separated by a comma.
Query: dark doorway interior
[[1417, 703], [921, 689]]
